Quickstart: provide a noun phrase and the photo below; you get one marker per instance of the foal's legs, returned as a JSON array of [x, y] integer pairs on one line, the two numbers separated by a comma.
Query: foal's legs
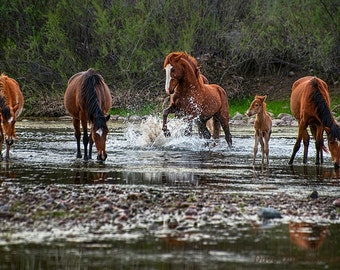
[[266, 145], [256, 144]]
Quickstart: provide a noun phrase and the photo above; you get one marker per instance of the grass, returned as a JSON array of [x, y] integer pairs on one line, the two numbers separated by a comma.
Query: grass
[[241, 105]]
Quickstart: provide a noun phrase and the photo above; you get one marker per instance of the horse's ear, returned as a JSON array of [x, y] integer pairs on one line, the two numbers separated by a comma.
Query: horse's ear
[[107, 118], [264, 97]]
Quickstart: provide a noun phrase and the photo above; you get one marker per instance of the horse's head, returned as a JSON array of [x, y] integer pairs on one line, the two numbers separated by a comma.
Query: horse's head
[[257, 106], [175, 65], [8, 119], [334, 148], [99, 134]]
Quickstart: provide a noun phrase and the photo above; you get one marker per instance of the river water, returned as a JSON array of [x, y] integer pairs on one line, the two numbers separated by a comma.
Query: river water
[[139, 156]]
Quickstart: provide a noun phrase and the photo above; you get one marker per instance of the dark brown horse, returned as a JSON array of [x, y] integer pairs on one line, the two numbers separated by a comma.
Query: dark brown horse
[[310, 105], [11, 105], [194, 98], [262, 126], [88, 99]]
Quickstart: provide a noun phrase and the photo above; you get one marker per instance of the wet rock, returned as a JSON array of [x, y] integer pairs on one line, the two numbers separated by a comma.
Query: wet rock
[[314, 195], [336, 202], [191, 211], [269, 213], [238, 116]]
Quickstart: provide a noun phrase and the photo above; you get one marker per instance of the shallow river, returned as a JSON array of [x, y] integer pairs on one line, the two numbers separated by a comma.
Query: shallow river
[[140, 157]]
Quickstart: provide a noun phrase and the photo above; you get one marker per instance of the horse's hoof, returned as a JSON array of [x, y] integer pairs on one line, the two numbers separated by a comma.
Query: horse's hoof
[[167, 133]]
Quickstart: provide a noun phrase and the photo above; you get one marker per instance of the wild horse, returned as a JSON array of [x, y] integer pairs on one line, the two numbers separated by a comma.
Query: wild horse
[[310, 105], [11, 105], [262, 126], [195, 98], [87, 99]]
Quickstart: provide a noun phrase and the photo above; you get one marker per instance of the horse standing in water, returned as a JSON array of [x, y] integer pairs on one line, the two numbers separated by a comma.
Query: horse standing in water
[[262, 126], [172, 107], [310, 105], [11, 105], [194, 98], [87, 99]]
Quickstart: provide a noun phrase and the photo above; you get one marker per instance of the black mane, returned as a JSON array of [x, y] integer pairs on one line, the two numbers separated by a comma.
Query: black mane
[[94, 112], [323, 111]]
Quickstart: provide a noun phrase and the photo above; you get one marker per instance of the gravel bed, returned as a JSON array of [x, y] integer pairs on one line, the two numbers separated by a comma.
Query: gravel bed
[[77, 212]]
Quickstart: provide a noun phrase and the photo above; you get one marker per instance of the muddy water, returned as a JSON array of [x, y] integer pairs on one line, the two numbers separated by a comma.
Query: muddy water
[[140, 157]]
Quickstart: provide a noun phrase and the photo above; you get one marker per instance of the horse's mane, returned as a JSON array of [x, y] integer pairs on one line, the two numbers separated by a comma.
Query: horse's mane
[[323, 111], [190, 59], [94, 113], [5, 111]]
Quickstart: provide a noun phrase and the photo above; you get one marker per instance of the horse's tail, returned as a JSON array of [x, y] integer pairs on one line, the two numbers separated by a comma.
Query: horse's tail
[[323, 111], [91, 80]]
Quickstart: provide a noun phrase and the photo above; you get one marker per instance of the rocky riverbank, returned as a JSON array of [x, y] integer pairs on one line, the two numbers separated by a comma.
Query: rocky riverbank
[[93, 211]]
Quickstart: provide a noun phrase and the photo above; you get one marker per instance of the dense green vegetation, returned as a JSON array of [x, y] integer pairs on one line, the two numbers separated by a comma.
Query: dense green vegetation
[[44, 42]]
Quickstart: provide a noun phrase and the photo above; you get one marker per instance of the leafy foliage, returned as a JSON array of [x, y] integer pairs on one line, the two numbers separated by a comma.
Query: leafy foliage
[[44, 42]]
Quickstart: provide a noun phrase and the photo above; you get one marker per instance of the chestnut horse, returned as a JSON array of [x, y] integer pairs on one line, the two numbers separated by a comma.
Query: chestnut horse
[[194, 98], [172, 107], [310, 105], [262, 126], [11, 105], [87, 99]]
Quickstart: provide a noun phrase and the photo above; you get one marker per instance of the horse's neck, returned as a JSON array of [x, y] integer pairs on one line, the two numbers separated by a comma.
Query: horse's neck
[[190, 87], [261, 119]]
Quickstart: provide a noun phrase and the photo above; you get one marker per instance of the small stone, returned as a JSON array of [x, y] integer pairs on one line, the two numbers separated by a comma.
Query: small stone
[[269, 213], [314, 195], [336, 203]]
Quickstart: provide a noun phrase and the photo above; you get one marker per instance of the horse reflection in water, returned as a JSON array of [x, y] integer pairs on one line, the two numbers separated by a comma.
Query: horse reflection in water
[[11, 105], [87, 99], [310, 105], [307, 236], [194, 98]]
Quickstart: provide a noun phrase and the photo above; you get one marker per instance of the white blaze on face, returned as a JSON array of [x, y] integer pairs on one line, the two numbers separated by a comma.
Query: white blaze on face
[[10, 120], [99, 132], [167, 78]]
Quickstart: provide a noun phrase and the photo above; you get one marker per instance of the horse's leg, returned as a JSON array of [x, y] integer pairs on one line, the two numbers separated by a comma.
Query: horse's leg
[[8, 147], [90, 145], [317, 133], [266, 145], [224, 120], [85, 138], [77, 134], [188, 129], [262, 146], [297, 145], [203, 131], [170, 109], [256, 144], [2, 139], [217, 128], [305, 137]]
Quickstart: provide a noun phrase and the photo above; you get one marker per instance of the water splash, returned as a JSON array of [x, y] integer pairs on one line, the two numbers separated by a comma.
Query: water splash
[[149, 134]]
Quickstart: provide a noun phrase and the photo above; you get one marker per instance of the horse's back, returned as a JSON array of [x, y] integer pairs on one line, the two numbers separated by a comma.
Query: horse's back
[[73, 99], [301, 96], [13, 94]]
